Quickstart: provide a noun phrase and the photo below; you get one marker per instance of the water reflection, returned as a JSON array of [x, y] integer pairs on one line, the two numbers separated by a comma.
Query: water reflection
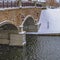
[[37, 48], [31, 47], [43, 47], [12, 52]]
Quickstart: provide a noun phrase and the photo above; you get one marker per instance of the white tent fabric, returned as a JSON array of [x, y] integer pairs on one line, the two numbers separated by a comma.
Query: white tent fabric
[[50, 21]]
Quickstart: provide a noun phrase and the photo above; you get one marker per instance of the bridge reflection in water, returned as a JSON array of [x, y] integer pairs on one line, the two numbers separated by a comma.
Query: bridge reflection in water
[[38, 47]]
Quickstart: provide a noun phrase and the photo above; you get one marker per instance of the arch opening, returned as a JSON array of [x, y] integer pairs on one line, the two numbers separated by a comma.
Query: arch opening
[[6, 29], [29, 25], [6, 26]]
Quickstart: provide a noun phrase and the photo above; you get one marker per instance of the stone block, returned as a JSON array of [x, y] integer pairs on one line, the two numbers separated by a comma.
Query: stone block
[[4, 41], [17, 39]]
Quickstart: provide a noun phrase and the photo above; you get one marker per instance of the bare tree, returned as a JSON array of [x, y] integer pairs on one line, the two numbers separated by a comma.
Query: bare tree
[[52, 3]]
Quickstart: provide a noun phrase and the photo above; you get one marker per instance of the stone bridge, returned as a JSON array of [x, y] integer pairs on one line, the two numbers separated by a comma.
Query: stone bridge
[[19, 16], [14, 21]]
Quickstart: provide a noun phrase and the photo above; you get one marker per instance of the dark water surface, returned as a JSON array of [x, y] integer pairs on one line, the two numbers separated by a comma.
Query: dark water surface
[[37, 48], [43, 47]]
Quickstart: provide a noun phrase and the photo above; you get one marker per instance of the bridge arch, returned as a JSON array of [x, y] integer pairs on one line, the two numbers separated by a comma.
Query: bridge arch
[[7, 26], [28, 17], [28, 24]]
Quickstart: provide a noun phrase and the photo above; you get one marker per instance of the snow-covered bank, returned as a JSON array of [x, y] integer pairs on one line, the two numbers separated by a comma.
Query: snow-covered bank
[[50, 21]]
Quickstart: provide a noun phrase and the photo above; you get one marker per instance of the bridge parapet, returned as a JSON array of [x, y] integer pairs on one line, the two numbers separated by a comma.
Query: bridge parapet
[[16, 16]]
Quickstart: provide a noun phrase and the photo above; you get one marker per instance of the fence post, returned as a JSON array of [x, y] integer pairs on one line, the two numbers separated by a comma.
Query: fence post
[[3, 3], [11, 4], [7, 4]]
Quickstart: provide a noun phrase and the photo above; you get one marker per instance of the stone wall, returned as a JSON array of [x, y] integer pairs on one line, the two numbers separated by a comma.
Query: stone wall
[[16, 16], [17, 39], [13, 39]]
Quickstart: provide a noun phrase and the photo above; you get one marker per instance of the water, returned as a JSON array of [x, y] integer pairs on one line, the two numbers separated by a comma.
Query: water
[[31, 47], [43, 47], [11, 52], [37, 48]]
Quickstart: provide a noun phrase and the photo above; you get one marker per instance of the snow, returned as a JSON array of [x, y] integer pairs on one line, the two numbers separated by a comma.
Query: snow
[[50, 21], [9, 8], [23, 32]]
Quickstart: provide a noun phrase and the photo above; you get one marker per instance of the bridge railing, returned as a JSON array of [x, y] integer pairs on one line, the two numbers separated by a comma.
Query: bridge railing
[[36, 4], [7, 4]]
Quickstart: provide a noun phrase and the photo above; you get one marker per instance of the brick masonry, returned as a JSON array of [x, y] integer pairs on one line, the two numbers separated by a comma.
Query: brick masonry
[[16, 16]]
